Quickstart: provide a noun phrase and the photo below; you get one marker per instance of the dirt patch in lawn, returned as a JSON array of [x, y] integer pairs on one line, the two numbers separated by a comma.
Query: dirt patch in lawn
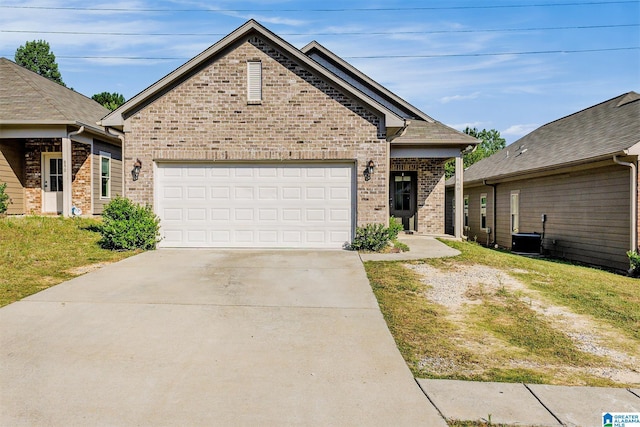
[[482, 302]]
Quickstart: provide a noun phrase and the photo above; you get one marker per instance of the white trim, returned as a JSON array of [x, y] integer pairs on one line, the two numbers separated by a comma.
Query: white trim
[[517, 211], [254, 82], [483, 211], [105, 155]]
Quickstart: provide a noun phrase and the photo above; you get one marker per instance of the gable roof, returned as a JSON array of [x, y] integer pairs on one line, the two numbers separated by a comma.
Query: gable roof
[[29, 98], [421, 129], [362, 82], [595, 133], [117, 117]]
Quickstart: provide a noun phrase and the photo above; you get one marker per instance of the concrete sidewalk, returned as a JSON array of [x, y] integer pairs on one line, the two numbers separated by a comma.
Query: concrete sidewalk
[[527, 404], [420, 247]]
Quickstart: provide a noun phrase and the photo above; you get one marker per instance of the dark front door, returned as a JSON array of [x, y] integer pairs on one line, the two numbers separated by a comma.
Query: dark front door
[[403, 198]]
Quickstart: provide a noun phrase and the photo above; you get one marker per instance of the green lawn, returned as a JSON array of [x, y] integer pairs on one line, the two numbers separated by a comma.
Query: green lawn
[[500, 337], [39, 252]]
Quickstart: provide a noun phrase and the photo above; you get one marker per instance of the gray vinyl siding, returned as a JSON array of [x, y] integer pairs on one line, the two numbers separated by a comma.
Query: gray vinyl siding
[[587, 214], [12, 173], [116, 174]]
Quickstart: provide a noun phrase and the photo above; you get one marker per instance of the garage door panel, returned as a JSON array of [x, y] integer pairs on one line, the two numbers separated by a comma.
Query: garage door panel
[[249, 205]]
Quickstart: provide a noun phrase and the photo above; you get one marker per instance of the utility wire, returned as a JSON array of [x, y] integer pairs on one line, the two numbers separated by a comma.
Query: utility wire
[[347, 33], [446, 55], [371, 9]]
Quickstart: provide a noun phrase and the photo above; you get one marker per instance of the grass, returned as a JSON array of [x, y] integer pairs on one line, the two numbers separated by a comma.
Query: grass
[[39, 252], [501, 337]]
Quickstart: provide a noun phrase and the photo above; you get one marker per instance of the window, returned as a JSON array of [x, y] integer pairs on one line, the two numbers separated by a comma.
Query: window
[[105, 175], [483, 211], [254, 82], [515, 211], [466, 211]]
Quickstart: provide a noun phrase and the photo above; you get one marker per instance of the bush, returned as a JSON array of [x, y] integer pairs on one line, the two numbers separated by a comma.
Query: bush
[[634, 263], [129, 226], [371, 237], [395, 227], [4, 198]]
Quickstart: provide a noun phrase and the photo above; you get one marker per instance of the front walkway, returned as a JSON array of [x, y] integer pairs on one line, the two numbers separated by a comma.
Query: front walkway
[[420, 247]]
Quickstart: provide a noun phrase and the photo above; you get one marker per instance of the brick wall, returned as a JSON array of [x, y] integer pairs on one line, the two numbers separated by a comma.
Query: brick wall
[[207, 117], [80, 173], [33, 170], [81, 177], [431, 192]]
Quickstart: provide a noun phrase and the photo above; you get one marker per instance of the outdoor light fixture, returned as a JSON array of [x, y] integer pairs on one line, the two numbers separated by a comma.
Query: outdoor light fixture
[[135, 172], [368, 171]]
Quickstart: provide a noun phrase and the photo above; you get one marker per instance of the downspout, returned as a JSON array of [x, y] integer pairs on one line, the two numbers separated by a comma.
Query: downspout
[[67, 182], [495, 210], [634, 201]]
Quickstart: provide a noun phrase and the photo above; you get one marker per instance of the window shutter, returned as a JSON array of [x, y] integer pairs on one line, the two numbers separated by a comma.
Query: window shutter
[[254, 83]]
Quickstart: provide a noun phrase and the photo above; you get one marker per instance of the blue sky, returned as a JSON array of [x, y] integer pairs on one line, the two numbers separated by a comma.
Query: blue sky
[[439, 55]]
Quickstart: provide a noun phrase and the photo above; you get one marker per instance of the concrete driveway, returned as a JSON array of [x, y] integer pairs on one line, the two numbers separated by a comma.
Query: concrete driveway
[[203, 337]]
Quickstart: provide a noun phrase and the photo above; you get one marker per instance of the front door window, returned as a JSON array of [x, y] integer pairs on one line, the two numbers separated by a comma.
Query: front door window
[[52, 182], [403, 198]]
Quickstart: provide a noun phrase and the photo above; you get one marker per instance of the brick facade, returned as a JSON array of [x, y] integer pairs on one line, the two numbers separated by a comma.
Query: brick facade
[[80, 173], [431, 191], [301, 118], [81, 177]]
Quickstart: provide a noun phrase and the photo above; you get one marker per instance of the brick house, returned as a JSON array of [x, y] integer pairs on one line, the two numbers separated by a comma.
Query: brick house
[[255, 143], [50, 142]]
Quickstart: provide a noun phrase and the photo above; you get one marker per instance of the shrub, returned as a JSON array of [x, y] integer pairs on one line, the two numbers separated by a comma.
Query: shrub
[[371, 237], [127, 226], [395, 227], [4, 198], [634, 263]]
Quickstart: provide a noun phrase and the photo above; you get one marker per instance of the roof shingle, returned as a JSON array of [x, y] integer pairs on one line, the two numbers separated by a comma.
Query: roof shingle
[[27, 96], [603, 129]]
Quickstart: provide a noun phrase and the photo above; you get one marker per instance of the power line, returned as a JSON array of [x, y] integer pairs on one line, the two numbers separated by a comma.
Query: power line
[[371, 9], [446, 55], [346, 33]]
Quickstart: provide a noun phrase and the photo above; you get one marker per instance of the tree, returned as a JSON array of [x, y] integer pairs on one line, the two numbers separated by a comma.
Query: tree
[[490, 143], [108, 100], [36, 56]]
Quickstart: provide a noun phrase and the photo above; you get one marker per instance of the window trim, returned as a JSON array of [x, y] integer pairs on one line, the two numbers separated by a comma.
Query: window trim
[[465, 211], [515, 194], [483, 211], [105, 155], [254, 82]]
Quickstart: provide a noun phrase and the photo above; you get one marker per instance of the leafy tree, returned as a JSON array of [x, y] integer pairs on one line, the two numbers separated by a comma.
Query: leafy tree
[[36, 56], [108, 100], [490, 143]]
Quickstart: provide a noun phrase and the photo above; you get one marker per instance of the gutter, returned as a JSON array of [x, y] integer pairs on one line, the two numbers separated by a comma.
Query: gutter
[[495, 210], [634, 201]]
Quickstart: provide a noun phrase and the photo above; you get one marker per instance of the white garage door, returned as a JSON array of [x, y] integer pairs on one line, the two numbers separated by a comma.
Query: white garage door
[[255, 205]]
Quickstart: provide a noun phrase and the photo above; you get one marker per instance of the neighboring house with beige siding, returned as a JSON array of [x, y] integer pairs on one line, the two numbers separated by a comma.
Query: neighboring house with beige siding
[[580, 172], [53, 154], [255, 143]]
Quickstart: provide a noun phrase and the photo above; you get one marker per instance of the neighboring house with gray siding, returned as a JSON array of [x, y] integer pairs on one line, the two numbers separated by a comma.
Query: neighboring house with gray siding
[[53, 154], [580, 172], [255, 143]]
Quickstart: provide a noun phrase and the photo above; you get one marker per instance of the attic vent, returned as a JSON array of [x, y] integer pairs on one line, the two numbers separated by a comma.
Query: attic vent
[[254, 81]]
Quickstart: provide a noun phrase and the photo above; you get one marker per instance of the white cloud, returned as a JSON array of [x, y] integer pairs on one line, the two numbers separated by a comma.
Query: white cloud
[[520, 129], [462, 126], [447, 99]]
